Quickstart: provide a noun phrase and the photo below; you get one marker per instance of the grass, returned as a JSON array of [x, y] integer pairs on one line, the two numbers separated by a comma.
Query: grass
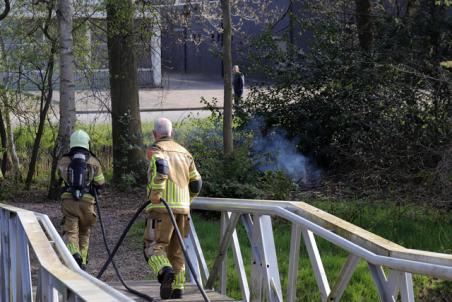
[[411, 226]]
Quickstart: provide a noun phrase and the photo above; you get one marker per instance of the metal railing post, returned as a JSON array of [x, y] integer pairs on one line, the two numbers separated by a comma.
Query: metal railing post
[[23, 253], [224, 244], [5, 256], [224, 263], [240, 266], [294, 255], [344, 278], [199, 254], [316, 263], [265, 272], [406, 287], [257, 276], [191, 251], [14, 260]]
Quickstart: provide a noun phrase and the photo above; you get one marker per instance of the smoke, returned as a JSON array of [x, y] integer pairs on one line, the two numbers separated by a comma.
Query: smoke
[[273, 152]]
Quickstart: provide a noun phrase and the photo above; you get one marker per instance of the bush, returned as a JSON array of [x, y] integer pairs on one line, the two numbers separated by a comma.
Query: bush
[[382, 117], [236, 176]]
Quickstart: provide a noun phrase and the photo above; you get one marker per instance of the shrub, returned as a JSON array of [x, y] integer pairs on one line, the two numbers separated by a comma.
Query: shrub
[[382, 117]]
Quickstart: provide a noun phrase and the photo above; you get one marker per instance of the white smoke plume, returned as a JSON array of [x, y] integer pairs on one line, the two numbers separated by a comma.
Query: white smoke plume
[[273, 152]]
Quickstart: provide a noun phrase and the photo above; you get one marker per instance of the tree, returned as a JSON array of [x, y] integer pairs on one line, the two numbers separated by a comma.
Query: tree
[[67, 94], [45, 87], [3, 135], [381, 121], [28, 61], [4, 141], [228, 19], [364, 23], [6, 130], [125, 108], [227, 77]]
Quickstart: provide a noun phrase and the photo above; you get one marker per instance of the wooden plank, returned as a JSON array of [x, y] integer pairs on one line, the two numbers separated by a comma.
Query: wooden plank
[[152, 288], [423, 256], [355, 234]]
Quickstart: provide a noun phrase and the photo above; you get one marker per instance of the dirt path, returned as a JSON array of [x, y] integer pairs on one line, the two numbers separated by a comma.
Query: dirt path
[[117, 208]]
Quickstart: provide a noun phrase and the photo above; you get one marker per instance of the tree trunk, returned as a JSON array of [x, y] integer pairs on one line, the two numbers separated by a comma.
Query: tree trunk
[[12, 148], [291, 23], [4, 141], [227, 78], [46, 98], [7, 132], [364, 24], [128, 152], [67, 94], [7, 138]]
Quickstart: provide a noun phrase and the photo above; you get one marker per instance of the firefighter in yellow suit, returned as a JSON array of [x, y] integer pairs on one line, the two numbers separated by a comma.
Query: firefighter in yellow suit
[[80, 171], [172, 175]]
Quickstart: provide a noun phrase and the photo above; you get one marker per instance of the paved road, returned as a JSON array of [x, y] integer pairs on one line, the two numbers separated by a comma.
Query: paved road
[[179, 91]]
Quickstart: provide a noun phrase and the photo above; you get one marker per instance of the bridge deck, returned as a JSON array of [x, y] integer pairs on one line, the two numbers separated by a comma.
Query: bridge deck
[[152, 288]]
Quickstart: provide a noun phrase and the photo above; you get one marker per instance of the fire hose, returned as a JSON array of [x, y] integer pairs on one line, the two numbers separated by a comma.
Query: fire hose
[[111, 254]]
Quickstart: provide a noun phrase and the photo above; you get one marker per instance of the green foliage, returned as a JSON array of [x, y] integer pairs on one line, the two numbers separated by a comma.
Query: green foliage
[[380, 117], [443, 2], [235, 176], [276, 186]]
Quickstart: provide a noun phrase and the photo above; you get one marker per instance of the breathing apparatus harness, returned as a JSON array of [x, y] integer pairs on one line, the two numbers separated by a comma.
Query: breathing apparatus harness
[[112, 253], [78, 173]]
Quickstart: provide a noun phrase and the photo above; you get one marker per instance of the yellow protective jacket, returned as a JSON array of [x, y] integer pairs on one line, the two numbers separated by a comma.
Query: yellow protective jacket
[[171, 179], [95, 175]]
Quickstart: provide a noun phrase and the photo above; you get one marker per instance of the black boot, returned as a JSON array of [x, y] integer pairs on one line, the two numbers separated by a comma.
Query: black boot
[[166, 278], [78, 259], [177, 293]]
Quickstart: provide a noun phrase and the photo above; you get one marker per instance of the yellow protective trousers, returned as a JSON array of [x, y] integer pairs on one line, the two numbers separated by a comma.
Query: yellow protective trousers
[[79, 217], [161, 245]]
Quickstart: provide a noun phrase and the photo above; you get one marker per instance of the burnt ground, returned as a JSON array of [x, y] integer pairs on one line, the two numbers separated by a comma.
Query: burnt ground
[[117, 209]]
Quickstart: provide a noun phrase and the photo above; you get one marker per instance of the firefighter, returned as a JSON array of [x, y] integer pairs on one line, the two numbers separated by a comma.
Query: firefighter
[[172, 175], [80, 171]]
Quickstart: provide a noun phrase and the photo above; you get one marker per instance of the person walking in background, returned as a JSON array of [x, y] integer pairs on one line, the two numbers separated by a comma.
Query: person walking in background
[[238, 83]]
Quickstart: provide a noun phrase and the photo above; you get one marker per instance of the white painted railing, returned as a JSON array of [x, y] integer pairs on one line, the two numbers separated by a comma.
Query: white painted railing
[[308, 222], [58, 275]]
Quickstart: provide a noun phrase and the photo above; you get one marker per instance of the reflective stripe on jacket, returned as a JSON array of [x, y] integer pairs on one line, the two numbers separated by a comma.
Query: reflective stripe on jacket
[[174, 185]]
